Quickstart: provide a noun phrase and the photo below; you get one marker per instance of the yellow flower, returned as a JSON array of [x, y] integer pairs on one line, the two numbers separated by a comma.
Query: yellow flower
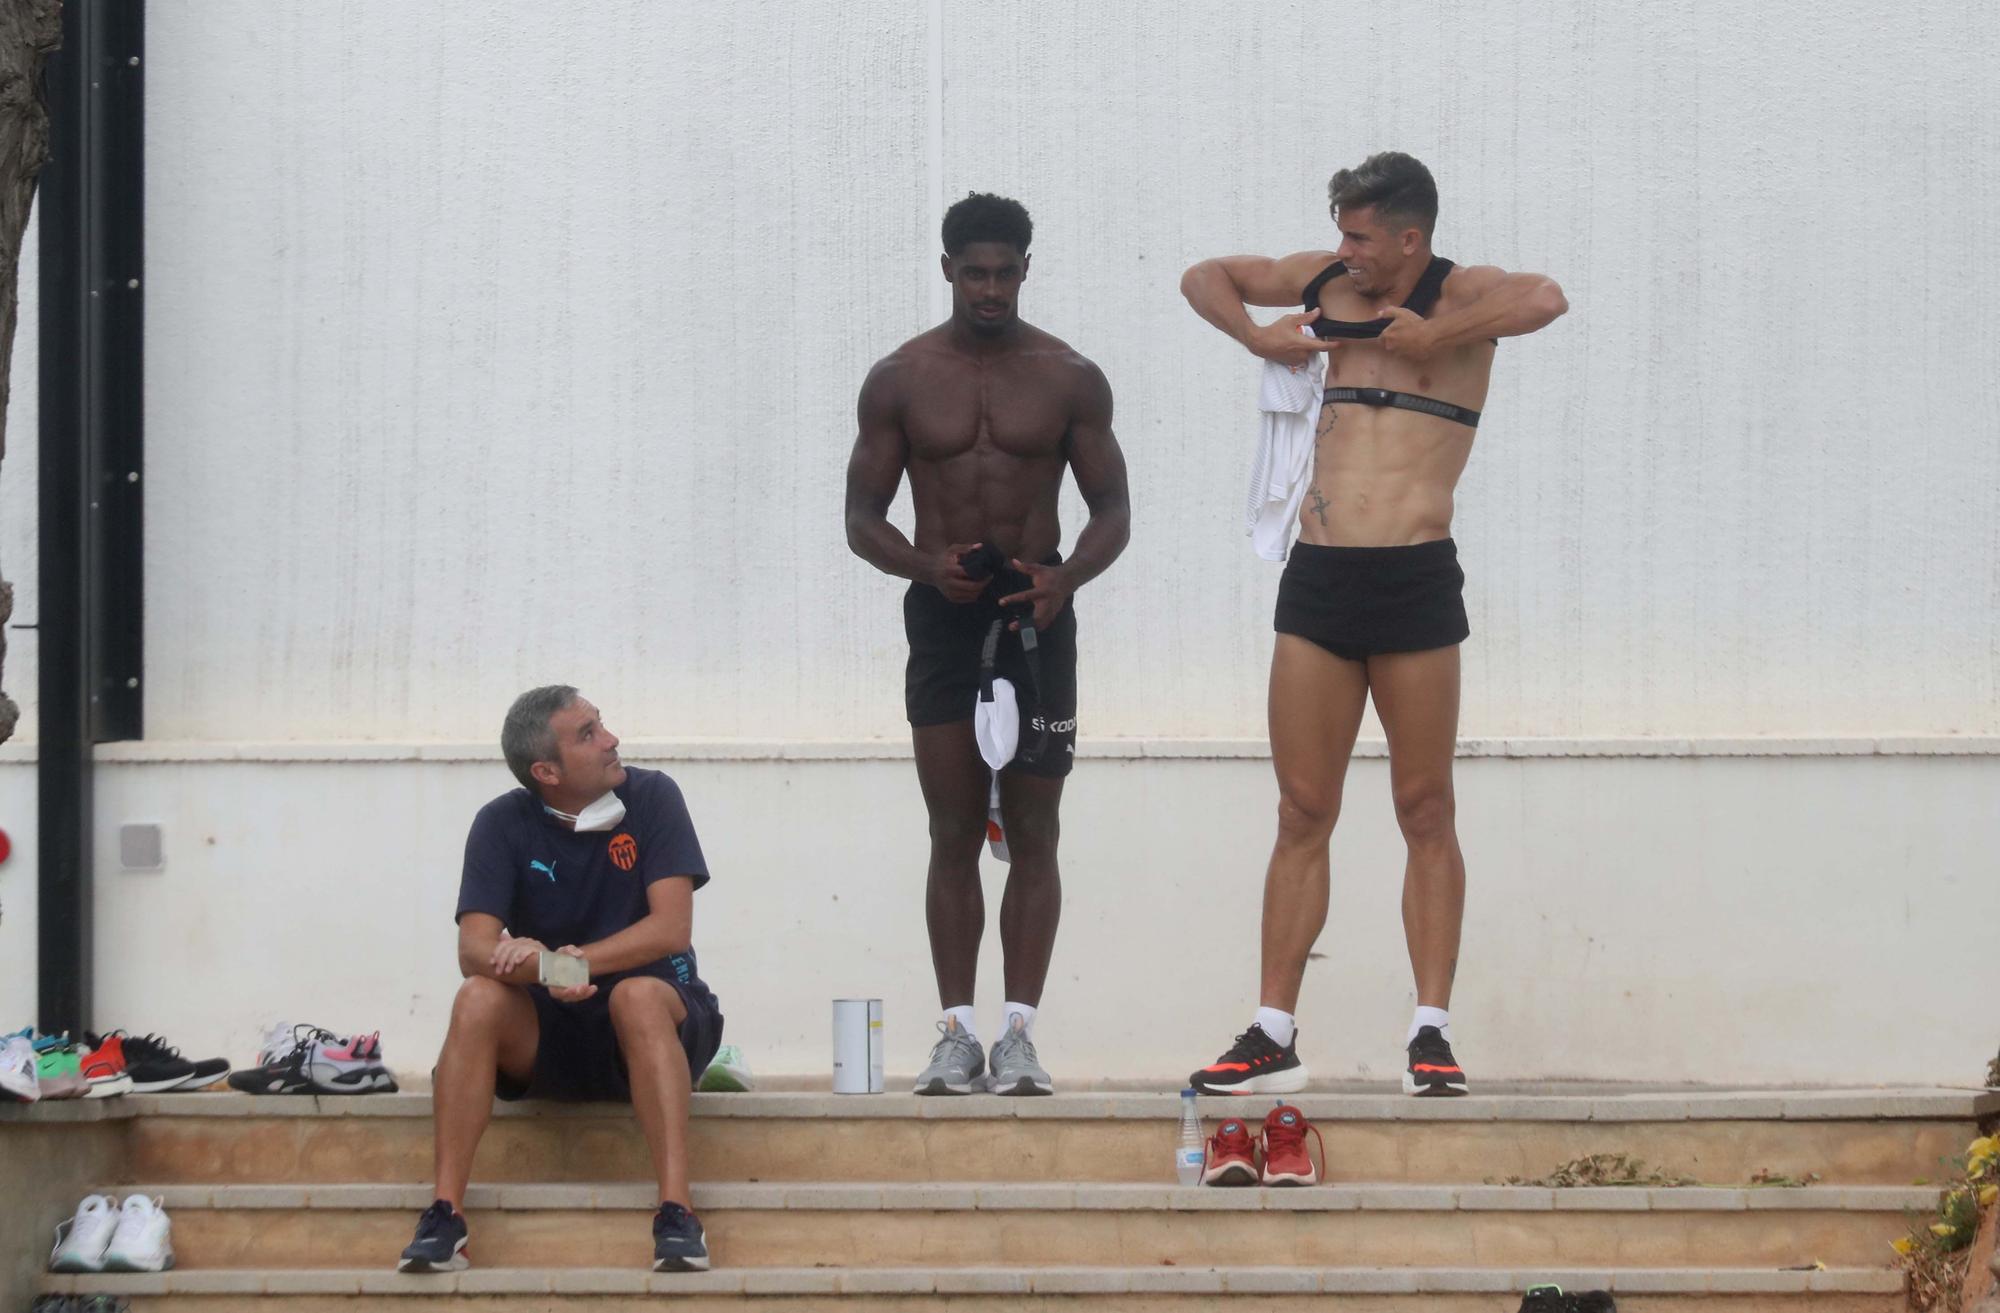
[[1903, 1246], [1987, 1194], [1982, 1153], [1943, 1230]]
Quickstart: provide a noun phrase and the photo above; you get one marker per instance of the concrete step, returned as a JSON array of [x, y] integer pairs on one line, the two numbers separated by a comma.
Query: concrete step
[[1114, 1289], [1886, 1137], [784, 1225]]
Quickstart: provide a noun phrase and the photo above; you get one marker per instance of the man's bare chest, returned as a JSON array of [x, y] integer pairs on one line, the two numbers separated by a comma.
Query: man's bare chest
[[1451, 374], [1015, 412]]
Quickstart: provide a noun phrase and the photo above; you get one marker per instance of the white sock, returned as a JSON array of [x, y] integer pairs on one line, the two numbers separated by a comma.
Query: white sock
[[963, 1016], [1008, 1011], [1439, 1017], [1280, 1026]]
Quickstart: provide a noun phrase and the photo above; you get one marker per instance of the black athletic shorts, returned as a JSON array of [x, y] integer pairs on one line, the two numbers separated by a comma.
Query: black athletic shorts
[[1358, 602], [941, 681], [578, 1059]]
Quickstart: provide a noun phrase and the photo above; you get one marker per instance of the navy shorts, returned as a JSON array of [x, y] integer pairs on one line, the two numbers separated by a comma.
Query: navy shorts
[[578, 1059]]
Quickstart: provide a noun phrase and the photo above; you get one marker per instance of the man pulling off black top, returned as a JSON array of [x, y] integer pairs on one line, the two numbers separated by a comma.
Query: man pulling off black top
[[602, 863], [1371, 599], [984, 411]]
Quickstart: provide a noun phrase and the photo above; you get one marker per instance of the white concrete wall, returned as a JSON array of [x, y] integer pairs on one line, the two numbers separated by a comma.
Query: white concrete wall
[[1763, 920], [487, 347]]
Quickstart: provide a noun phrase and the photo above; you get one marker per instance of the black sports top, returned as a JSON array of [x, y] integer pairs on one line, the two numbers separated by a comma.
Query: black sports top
[[1422, 300]]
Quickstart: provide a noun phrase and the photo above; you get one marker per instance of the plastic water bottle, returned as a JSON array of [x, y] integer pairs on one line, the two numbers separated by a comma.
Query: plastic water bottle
[[1189, 1152]]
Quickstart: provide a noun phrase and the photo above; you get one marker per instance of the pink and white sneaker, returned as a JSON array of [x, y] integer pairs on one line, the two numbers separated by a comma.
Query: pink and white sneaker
[[350, 1065]]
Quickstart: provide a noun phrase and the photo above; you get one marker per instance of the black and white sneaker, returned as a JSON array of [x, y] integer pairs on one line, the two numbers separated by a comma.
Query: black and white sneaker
[[1433, 1071], [679, 1243], [161, 1060], [152, 1063], [284, 1064], [440, 1242], [1254, 1064]]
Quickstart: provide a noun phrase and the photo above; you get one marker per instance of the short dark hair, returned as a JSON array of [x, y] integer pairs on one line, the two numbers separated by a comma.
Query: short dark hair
[[984, 217], [1397, 186], [525, 736]]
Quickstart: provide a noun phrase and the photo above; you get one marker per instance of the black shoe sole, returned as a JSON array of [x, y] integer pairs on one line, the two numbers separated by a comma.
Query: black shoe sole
[[680, 1264]]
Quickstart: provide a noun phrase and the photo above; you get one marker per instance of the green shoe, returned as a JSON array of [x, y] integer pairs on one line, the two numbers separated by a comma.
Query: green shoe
[[726, 1073], [61, 1075]]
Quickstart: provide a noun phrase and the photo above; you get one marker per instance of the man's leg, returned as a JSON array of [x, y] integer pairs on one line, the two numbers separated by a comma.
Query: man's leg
[[1315, 712], [493, 1029], [955, 783], [1032, 905], [647, 1014], [1416, 695]]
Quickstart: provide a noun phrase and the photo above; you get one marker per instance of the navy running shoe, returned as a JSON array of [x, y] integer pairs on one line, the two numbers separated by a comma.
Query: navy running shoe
[[679, 1243], [440, 1242]]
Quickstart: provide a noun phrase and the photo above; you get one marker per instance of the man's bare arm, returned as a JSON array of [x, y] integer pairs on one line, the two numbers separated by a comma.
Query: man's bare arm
[[1484, 302], [1221, 289], [666, 929], [881, 454], [480, 939], [1099, 468], [874, 472]]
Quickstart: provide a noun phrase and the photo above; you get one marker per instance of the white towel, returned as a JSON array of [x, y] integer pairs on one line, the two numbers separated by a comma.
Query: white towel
[[996, 728], [1288, 402]]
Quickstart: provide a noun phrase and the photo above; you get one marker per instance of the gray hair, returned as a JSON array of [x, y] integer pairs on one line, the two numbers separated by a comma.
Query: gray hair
[[1397, 186], [525, 736]]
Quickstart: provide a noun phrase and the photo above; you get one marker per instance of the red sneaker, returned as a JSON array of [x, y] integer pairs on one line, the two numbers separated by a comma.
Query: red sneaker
[[1286, 1161], [1232, 1155], [103, 1069]]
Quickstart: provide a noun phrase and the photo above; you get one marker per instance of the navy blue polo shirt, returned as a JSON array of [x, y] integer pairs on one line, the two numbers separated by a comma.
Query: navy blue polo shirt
[[545, 881]]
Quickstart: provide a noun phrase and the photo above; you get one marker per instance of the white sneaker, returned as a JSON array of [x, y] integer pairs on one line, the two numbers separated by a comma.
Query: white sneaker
[[81, 1241], [143, 1241], [17, 1069]]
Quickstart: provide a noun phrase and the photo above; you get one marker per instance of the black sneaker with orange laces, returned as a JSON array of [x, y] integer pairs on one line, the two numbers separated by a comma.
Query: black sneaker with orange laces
[[1433, 1071], [1254, 1064]]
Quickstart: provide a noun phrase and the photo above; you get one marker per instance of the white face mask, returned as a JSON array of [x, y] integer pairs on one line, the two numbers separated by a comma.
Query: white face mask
[[600, 815]]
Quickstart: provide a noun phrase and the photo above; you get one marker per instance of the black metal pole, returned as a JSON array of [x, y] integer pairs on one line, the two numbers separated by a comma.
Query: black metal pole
[[90, 210]]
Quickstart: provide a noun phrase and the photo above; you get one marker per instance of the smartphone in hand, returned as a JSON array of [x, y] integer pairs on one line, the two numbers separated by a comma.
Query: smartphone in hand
[[561, 970]]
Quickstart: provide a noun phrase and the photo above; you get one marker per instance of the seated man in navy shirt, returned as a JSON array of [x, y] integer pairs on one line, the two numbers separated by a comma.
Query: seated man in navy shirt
[[594, 861]]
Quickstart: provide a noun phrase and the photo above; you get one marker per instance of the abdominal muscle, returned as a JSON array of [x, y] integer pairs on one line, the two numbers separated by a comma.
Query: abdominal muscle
[[1382, 478]]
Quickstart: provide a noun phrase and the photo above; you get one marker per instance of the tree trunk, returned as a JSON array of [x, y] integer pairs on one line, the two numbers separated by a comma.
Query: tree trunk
[[29, 31]]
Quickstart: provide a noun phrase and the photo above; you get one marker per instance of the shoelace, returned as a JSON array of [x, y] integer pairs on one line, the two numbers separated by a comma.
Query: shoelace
[[1252, 1043], [434, 1218], [1013, 1046], [1231, 1138], [670, 1217], [1293, 1137], [949, 1039], [152, 1047], [1432, 1049]]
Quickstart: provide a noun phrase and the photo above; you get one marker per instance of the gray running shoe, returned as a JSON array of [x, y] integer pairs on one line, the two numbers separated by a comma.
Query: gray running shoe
[[956, 1062], [1015, 1068]]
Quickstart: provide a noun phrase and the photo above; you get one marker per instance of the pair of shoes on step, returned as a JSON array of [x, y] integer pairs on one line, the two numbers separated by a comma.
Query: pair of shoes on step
[[107, 1236], [679, 1243], [1275, 1155], [1258, 1064], [957, 1063], [306, 1059]]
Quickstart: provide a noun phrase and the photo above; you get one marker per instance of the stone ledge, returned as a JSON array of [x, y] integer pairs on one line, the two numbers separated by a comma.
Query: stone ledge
[[1041, 1280], [1887, 1104], [967, 1196]]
